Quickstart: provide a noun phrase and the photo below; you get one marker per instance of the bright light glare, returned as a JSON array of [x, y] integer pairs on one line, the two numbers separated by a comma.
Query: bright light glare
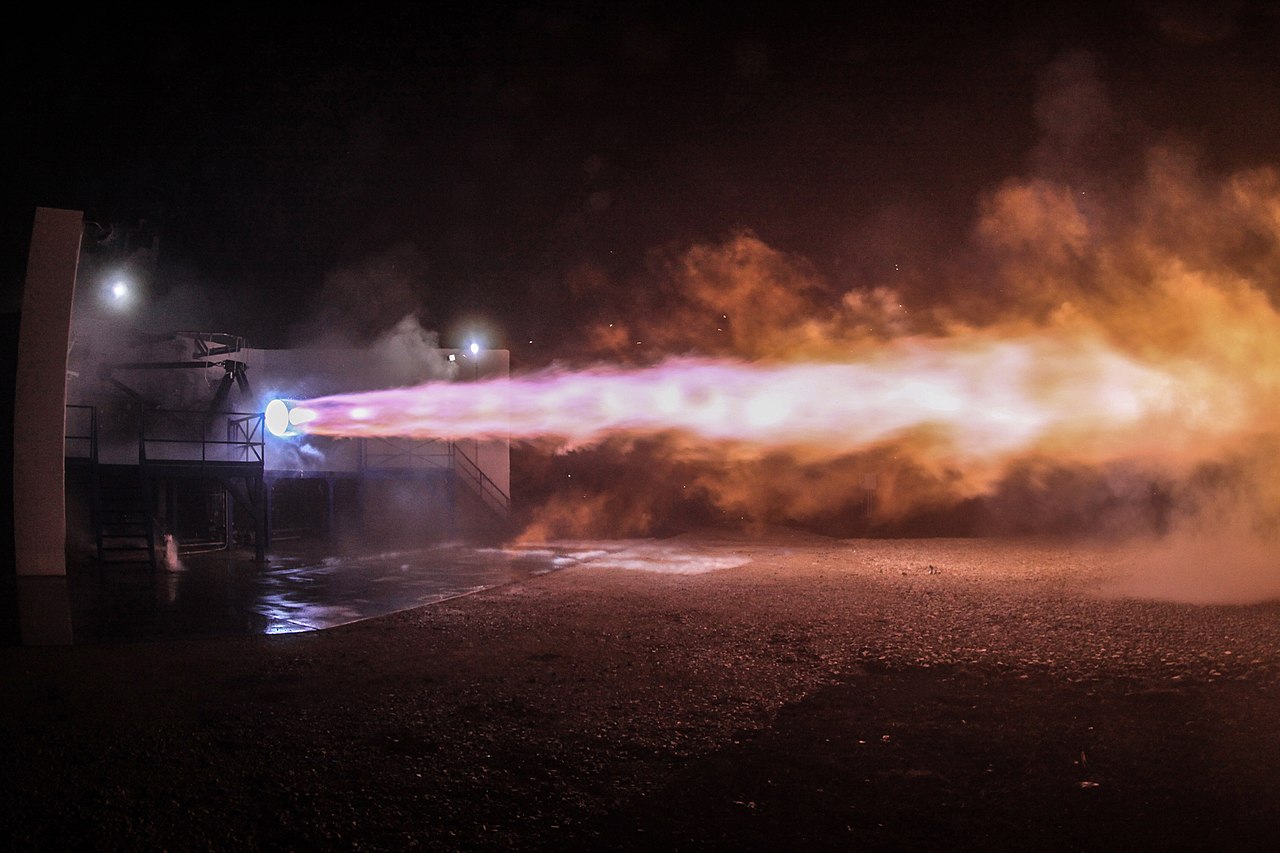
[[117, 294], [475, 348], [276, 417], [282, 418]]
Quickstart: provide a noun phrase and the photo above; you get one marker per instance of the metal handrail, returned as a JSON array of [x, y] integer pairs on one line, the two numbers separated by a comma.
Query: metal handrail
[[405, 453], [433, 453], [488, 490], [91, 438], [244, 431]]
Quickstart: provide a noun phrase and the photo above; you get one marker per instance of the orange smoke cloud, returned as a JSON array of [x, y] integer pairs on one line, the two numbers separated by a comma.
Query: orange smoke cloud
[[1157, 304], [1094, 354]]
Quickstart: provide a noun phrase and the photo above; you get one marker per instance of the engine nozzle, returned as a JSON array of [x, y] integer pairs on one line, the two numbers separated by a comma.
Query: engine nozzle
[[283, 417]]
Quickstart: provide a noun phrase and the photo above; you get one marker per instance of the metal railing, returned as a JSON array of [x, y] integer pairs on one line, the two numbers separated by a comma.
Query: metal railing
[[386, 454], [168, 435], [474, 476], [245, 432], [80, 439], [402, 454]]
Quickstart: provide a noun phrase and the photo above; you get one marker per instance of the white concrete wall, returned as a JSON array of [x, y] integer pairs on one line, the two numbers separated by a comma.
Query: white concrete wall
[[40, 394], [39, 423]]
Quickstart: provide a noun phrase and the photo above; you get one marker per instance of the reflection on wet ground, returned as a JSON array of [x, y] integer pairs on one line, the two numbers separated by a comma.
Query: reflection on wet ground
[[302, 589], [306, 587]]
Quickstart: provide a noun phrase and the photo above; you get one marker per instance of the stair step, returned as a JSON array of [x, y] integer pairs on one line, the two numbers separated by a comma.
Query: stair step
[[124, 523]]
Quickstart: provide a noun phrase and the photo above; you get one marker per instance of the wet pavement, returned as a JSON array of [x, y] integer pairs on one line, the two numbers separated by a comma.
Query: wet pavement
[[305, 586], [225, 592]]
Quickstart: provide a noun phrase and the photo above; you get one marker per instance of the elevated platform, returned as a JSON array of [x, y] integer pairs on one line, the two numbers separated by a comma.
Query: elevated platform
[[210, 477]]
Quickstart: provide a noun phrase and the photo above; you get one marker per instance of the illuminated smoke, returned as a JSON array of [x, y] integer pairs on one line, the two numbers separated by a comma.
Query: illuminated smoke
[[1123, 357], [1102, 351]]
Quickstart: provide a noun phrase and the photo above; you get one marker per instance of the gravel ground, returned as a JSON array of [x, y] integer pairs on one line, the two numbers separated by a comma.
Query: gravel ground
[[807, 693]]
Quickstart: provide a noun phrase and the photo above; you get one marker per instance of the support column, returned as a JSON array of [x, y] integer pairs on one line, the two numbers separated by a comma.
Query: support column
[[262, 535], [228, 518], [39, 427], [330, 522]]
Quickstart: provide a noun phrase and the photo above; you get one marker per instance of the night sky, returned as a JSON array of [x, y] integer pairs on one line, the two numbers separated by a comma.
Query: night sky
[[518, 166]]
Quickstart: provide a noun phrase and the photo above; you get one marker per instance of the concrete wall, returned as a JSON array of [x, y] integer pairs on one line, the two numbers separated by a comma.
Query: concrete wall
[[39, 421]]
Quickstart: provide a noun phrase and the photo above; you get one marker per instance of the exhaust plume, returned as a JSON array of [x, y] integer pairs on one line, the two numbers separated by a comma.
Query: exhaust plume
[[973, 401]]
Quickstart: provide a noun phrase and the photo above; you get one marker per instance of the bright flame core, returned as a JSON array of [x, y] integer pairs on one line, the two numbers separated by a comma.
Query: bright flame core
[[283, 417], [276, 417]]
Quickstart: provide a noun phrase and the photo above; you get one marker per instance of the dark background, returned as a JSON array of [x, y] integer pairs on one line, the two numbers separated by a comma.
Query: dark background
[[492, 157]]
